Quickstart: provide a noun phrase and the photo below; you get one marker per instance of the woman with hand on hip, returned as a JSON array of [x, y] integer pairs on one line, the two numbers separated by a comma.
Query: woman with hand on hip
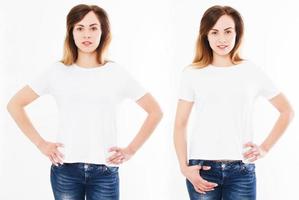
[[222, 88], [87, 89]]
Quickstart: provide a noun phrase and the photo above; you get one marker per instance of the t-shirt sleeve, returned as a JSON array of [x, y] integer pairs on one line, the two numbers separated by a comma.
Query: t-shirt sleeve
[[132, 89], [40, 83], [266, 86], [186, 91]]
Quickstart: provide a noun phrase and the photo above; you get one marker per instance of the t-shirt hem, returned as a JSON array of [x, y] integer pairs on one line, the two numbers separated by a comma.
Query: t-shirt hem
[[273, 95], [97, 162], [37, 91], [215, 158], [140, 96], [186, 99]]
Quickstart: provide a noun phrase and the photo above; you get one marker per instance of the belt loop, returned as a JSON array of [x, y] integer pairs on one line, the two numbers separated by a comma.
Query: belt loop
[[85, 166]]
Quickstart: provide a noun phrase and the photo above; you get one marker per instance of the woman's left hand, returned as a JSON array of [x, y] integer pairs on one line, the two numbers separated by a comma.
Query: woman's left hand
[[120, 155], [254, 152]]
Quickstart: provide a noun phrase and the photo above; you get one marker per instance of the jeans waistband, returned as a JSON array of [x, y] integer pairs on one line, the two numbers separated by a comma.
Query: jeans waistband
[[218, 162], [226, 161]]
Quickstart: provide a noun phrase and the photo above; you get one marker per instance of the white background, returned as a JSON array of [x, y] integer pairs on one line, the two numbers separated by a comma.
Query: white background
[[154, 40]]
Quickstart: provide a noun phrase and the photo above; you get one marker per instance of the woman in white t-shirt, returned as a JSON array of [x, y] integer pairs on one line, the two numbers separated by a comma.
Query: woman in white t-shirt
[[88, 90], [222, 88]]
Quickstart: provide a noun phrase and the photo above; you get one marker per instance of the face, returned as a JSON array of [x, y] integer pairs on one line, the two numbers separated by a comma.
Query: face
[[222, 36], [87, 33]]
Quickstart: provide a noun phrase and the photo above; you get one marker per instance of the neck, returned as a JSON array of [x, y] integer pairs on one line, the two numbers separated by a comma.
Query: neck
[[222, 61], [87, 60]]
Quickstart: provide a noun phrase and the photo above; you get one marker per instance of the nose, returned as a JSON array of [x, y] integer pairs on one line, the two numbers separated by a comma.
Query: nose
[[222, 39], [86, 34]]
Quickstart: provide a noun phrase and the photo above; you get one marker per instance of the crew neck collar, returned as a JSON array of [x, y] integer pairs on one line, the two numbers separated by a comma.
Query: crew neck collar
[[100, 67], [225, 67]]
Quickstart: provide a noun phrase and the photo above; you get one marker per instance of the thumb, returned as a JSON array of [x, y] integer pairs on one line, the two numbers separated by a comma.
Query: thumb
[[197, 167], [114, 149], [248, 144], [206, 167]]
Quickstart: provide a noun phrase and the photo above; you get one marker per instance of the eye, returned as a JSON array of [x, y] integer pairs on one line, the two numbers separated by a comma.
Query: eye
[[79, 28], [228, 32], [213, 33], [94, 28]]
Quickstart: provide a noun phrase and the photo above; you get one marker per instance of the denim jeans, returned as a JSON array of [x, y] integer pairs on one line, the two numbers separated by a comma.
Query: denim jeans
[[236, 180], [74, 181]]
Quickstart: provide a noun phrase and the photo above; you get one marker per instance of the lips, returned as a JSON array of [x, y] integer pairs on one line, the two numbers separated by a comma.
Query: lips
[[86, 43], [222, 46]]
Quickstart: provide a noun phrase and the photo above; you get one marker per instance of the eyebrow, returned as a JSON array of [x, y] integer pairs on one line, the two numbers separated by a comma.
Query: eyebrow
[[224, 29], [89, 25]]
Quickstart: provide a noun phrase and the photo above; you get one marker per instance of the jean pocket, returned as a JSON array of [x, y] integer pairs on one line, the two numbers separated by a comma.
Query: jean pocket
[[59, 166], [196, 162], [248, 168], [112, 170]]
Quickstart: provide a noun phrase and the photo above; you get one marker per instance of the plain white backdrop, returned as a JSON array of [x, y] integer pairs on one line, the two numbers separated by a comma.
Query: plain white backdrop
[[154, 40]]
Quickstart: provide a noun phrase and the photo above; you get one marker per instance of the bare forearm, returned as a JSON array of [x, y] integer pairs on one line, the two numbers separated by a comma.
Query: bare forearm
[[145, 131], [20, 117], [279, 128], [180, 144]]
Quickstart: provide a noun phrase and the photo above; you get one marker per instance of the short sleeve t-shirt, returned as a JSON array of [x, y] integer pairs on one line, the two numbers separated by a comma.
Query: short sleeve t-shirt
[[223, 105], [87, 101]]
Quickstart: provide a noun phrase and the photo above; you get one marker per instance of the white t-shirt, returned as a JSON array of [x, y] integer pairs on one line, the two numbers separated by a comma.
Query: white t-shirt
[[223, 101], [87, 100]]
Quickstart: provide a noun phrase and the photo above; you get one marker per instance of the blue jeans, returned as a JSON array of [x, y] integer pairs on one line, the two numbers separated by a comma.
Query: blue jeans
[[74, 181], [236, 181]]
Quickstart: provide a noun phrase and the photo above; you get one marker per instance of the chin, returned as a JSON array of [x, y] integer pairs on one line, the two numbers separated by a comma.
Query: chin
[[87, 50], [222, 53]]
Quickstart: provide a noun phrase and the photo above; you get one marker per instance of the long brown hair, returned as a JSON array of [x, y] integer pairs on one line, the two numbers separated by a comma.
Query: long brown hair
[[76, 14], [203, 52]]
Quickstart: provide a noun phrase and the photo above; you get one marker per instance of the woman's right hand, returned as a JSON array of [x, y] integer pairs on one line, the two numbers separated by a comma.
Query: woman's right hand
[[193, 175], [50, 150]]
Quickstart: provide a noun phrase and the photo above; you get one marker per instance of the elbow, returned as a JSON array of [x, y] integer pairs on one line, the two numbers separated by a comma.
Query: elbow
[[158, 114], [155, 115], [9, 106], [289, 114], [12, 106]]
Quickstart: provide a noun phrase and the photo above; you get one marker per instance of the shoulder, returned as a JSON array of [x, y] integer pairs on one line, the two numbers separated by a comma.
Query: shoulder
[[48, 69], [249, 64], [114, 65], [117, 68], [190, 68], [254, 71], [55, 66], [189, 71], [250, 67], [118, 71]]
